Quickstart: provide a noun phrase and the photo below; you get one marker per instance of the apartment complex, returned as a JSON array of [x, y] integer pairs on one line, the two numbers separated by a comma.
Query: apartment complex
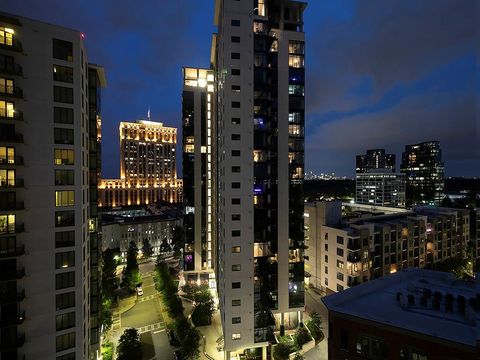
[[358, 246], [198, 101], [380, 189], [424, 170], [47, 223], [147, 167], [414, 314], [374, 160], [259, 64]]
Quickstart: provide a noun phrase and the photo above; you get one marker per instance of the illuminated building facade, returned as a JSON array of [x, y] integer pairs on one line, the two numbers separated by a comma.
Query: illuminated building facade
[[259, 64], [147, 167], [48, 167], [198, 102], [375, 159], [424, 170], [380, 189]]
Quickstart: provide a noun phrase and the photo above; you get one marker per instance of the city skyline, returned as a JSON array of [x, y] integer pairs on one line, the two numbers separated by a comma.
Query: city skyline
[[369, 84]]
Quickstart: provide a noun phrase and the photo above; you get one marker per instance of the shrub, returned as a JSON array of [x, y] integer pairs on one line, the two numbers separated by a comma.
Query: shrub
[[282, 351], [302, 336]]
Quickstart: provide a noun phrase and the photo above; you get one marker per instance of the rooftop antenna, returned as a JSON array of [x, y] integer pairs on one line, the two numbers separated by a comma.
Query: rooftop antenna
[[148, 114]]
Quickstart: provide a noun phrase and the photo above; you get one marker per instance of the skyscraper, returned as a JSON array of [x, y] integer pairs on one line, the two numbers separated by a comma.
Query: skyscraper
[[259, 65], [375, 159], [46, 215], [380, 189], [424, 170], [198, 100], [147, 166]]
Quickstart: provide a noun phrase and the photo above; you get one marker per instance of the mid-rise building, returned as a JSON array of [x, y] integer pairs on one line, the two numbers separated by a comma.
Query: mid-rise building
[[147, 167], [424, 170], [198, 101], [259, 62], [413, 314], [380, 188], [47, 223], [374, 160], [348, 249]]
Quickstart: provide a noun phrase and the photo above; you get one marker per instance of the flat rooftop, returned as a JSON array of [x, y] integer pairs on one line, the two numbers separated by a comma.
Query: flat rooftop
[[388, 301]]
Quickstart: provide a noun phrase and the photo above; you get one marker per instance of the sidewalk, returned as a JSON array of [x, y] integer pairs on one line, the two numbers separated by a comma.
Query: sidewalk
[[212, 333]]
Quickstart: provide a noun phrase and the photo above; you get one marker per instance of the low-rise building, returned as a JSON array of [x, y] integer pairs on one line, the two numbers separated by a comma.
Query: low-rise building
[[123, 225], [414, 314]]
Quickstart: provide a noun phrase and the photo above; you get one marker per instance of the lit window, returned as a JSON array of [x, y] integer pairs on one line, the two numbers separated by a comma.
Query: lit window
[[6, 36], [64, 157], [7, 109], [296, 61], [65, 198], [7, 177], [7, 224], [6, 86], [236, 336]]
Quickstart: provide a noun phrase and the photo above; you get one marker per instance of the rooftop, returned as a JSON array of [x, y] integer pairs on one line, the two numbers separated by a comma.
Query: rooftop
[[426, 302]]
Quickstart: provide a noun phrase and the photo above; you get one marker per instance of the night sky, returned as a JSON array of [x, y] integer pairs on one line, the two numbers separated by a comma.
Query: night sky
[[380, 73]]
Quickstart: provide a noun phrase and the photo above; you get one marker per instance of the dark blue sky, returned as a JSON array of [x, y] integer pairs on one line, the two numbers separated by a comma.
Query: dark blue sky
[[380, 73]]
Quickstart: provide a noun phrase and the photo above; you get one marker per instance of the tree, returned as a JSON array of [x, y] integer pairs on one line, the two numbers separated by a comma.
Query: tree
[[281, 352], [147, 248], [314, 325], [190, 345], [129, 347], [109, 276], [165, 246], [178, 241], [131, 273]]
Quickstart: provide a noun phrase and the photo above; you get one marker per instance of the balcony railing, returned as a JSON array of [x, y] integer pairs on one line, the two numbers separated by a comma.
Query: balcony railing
[[16, 183], [11, 137], [15, 46], [14, 69], [11, 91], [16, 160], [11, 344], [17, 251], [17, 205], [17, 114], [12, 297], [12, 275]]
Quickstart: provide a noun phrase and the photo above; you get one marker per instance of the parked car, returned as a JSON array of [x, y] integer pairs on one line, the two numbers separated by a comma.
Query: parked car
[[172, 338], [177, 355], [139, 290]]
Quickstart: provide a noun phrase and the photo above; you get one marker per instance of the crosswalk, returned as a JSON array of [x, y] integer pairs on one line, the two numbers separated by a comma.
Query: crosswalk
[[115, 321], [152, 327], [146, 298]]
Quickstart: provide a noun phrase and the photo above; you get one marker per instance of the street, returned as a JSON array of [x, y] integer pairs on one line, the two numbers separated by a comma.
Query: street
[[146, 316]]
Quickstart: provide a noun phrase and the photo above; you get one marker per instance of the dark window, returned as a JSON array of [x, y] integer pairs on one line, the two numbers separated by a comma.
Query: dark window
[[64, 259], [235, 169], [343, 339], [235, 201], [236, 72], [235, 152], [340, 276], [339, 252], [340, 240], [70, 356], [63, 136], [235, 233], [236, 267], [236, 302], [63, 73], [65, 321], [235, 136], [62, 115], [65, 280], [326, 258], [236, 88], [64, 239], [236, 249], [236, 121], [62, 50], [65, 341], [235, 22], [235, 55], [339, 287], [236, 285], [235, 217], [64, 177], [64, 218], [236, 320], [65, 300], [236, 104], [235, 185], [63, 94], [235, 39]]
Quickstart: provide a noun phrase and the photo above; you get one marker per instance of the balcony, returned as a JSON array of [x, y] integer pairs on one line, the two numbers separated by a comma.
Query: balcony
[[10, 344], [11, 137], [15, 46], [16, 160], [12, 297], [14, 319], [10, 230], [13, 252], [9, 184], [17, 114], [353, 257], [12, 275], [11, 92], [11, 69]]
